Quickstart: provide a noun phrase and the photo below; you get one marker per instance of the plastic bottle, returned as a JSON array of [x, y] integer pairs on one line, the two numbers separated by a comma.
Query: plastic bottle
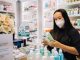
[[61, 54], [52, 51], [38, 56], [46, 57], [49, 37], [42, 50], [31, 55], [56, 55], [51, 57]]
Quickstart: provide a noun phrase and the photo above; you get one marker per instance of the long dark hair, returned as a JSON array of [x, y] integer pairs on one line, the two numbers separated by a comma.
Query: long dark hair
[[57, 32], [67, 25]]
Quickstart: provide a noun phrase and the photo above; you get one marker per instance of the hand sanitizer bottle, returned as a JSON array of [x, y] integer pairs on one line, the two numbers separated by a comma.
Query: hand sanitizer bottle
[[38, 55], [46, 57], [56, 55], [31, 55], [51, 57], [61, 54], [42, 50]]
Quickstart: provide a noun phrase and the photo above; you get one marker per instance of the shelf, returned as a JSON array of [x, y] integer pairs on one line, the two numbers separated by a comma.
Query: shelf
[[76, 15], [11, 12], [5, 3], [73, 3]]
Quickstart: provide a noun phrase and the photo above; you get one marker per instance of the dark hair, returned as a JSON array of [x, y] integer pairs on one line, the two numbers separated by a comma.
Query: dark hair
[[67, 24]]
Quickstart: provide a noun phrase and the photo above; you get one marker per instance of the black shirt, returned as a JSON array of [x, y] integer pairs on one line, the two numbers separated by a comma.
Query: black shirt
[[69, 38]]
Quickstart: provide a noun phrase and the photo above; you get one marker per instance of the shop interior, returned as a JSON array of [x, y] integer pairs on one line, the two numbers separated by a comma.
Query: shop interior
[[25, 23]]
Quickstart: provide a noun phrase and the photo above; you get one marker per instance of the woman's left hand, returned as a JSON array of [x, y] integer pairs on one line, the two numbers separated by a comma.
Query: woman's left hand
[[55, 44]]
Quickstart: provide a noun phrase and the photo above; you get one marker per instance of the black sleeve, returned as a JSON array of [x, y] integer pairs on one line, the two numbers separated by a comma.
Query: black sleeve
[[75, 39], [49, 48]]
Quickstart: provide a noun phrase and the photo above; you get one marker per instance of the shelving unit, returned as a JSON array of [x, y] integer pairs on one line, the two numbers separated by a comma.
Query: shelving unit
[[29, 18], [8, 12], [72, 3], [73, 10], [76, 15], [5, 2], [48, 8], [7, 16]]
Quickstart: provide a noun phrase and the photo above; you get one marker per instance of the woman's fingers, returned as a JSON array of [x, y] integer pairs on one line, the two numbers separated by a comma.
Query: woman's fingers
[[45, 42]]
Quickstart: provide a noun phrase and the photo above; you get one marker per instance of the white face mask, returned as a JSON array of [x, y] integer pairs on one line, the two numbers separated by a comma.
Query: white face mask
[[60, 23]]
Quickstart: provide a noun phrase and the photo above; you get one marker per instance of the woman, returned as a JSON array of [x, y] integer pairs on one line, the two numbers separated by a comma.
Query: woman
[[65, 35]]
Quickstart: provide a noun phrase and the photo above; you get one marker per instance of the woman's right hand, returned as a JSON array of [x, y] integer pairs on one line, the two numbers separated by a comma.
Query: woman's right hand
[[45, 42]]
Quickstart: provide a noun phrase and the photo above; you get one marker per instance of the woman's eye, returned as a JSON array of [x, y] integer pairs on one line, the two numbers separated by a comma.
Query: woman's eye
[[59, 18]]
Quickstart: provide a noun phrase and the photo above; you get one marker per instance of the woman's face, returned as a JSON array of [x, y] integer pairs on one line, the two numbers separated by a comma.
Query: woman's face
[[58, 16], [59, 20]]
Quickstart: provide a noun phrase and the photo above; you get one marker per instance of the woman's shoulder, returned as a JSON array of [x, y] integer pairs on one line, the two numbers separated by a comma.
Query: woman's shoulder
[[73, 32]]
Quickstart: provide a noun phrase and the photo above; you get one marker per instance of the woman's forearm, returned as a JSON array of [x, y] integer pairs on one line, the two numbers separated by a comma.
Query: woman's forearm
[[68, 49], [65, 48]]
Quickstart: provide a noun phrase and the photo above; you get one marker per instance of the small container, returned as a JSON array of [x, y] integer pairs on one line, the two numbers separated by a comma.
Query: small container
[[38, 56], [61, 54], [56, 55], [1, 7], [44, 58], [51, 58]]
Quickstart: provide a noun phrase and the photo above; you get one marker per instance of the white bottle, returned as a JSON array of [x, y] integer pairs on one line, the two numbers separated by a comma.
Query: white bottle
[[37, 55], [31, 55], [45, 57], [51, 57]]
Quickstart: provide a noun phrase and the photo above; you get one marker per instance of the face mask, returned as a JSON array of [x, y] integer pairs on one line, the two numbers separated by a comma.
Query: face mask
[[60, 23]]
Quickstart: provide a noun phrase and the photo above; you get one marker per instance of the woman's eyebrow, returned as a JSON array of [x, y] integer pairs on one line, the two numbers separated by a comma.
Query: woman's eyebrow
[[59, 16]]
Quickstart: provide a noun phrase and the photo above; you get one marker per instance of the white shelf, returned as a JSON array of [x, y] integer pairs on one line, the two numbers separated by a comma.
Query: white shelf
[[11, 12], [76, 15], [5, 3], [73, 3]]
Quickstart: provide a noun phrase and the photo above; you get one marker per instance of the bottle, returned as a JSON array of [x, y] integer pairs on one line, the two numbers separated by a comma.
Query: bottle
[[51, 57], [52, 52], [38, 56], [46, 57], [61, 54], [31, 55], [49, 37], [42, 50], [56, 55]]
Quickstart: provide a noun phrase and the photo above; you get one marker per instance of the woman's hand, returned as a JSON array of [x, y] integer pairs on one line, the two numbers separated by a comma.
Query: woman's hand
[[57, 44], [54, 44], [45, 42]]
